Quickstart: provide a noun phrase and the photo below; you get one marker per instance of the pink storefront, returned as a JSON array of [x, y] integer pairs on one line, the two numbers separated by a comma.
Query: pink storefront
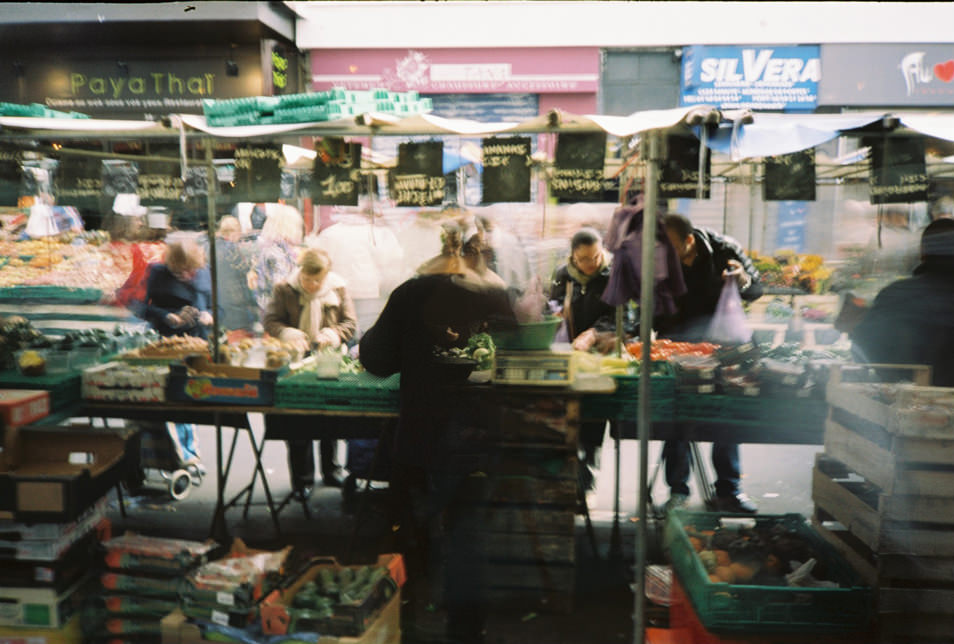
[[479, 83]]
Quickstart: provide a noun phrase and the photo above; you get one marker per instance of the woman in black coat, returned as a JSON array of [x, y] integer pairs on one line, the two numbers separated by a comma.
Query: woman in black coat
[[452, 297]]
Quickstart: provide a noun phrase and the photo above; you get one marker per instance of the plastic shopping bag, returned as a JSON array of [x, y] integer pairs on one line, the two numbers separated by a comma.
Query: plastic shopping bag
[[728, 324]]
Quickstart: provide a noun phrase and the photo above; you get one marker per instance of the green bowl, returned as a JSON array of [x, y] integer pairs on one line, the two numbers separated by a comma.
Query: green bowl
[[530, 336]]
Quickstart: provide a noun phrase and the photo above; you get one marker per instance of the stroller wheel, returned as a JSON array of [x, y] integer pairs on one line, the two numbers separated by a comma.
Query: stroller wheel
[[179, 484], [195, 473]]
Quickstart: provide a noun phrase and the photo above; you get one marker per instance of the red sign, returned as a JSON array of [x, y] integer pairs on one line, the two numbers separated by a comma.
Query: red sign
[[453, 71]]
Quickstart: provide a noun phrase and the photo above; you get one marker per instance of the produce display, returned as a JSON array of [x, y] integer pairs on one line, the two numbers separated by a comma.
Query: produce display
[[337, 601], [69, 261], [790, 270], [172, 347], [764, 555]]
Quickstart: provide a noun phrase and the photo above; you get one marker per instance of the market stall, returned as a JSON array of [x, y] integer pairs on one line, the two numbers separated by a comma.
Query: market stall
[[685, 413]]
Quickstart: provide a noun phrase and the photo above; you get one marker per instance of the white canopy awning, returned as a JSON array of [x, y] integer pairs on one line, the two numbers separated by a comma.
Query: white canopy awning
[[73, 127], [939, 126], [773, 134]]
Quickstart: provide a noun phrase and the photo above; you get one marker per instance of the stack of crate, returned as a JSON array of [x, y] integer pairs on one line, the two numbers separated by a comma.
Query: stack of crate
[[884, 495], [519, 512]]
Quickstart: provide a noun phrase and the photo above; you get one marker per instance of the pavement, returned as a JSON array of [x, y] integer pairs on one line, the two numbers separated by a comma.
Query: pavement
[[776, 477]]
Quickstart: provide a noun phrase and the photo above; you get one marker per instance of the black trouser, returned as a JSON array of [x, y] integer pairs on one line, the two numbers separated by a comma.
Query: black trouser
[[301, 461], [433, 533]]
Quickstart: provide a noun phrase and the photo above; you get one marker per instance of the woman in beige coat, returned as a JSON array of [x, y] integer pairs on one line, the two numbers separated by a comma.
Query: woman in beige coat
[[312, 310]]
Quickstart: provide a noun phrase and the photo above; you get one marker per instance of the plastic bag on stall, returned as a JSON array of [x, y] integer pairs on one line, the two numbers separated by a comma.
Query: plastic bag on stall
[[728, 324]]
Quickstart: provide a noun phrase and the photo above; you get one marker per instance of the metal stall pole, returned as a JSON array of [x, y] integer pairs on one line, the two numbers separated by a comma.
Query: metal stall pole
[[219, 530], [644, 428]]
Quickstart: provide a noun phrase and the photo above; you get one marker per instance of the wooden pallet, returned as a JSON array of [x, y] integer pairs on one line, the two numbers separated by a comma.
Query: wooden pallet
[[880, 521]]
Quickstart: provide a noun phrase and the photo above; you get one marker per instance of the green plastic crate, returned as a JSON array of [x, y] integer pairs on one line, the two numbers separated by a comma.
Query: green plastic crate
[[741, 608], [64, 388], [361, 391], [623, 404], [751, 410], [50, 294]]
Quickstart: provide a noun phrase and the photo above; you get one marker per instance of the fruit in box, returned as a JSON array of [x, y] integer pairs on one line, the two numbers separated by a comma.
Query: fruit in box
[[32, 363]]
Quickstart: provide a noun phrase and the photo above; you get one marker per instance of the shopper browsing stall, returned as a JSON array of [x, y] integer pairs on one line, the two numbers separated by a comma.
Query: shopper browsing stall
[[576, 290], [178, 302], [912, 320], [312, 310], [452, 297], [708, 259], [276, 250]]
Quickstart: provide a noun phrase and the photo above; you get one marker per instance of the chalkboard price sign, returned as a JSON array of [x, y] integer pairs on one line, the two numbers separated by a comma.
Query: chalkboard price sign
[[790, 177], [258, 173], [418, 179], [679, 174], [336, 179], [79, 182], [898, 171], [159, 182], [578, 167], [506, 175]]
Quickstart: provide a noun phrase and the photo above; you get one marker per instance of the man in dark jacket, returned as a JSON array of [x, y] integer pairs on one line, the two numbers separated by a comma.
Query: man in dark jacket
[[912, 320], [708, 259]]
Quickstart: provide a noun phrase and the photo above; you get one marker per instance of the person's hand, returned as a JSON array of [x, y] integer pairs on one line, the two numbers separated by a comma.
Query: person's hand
[[734, 270], [328, 337], [174, 320], [205, 318], [295, 337], [585, 341], [252, 280], [188, 315], [605, 341]]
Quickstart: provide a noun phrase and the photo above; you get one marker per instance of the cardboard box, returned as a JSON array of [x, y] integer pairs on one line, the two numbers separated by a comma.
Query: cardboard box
[[54, 474], [385, 629], [71, 633], [47, 541], [59, 574], [274, 610], [41, 607], [20, 407], [220, 383]]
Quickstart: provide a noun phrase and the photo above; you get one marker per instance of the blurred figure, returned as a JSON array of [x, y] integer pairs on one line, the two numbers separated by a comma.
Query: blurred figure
[[368, 256], [505, 254], [276, 251], [233, 259], [452, 297], [178, 302], [912, 320], [312, 309]]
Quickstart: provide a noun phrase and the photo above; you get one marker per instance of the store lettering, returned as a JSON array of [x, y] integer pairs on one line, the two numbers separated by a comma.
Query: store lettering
[[158, 83], [761, 67]]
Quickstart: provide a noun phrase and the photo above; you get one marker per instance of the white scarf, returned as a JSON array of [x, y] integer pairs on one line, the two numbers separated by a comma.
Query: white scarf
[[313, 304]]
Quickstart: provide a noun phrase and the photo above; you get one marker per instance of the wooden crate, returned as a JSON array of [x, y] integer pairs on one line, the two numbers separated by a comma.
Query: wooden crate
[[915, 472], [879, 520], [902, 545]]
